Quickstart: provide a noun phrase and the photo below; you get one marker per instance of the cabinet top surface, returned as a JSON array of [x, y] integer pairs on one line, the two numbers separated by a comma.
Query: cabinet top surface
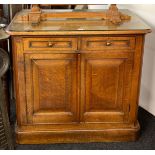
[[3, 34], [72, 26]]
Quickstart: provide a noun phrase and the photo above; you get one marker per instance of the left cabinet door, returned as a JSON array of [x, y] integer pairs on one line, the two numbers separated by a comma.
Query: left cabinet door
[[51, 84]]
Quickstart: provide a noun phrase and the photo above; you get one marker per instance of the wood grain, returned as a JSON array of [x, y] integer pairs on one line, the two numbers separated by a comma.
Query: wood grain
[[74, 26], [107, 86], [51, 44], [76, 136], [36, 15], [51, 88], [111, 43]]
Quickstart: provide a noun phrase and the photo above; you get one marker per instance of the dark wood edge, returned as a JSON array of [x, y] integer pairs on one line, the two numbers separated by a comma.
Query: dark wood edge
[[78, 32]]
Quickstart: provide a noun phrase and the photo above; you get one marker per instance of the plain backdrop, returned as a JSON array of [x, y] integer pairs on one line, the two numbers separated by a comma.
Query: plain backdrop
[[147, 13]]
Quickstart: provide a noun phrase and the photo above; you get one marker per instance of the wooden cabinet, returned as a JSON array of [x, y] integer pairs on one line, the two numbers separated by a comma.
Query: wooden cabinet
[[77, 81]]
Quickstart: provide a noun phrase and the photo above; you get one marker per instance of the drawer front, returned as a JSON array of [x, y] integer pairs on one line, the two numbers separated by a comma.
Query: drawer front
[[51, 44], [103, 43]]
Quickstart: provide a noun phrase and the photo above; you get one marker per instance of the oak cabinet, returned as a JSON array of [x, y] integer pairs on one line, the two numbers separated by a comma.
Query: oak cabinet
[[66, 94], [77, 80]]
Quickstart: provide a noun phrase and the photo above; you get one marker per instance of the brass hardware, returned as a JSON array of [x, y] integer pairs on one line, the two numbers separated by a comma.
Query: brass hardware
[[50, 44], [77, 51], [108, 43], [94, 74]]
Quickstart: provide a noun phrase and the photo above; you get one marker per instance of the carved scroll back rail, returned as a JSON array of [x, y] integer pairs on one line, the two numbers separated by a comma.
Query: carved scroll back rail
[[36, 15]]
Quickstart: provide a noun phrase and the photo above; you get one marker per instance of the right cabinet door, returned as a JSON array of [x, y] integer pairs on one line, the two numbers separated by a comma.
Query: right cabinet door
[[106, 86]]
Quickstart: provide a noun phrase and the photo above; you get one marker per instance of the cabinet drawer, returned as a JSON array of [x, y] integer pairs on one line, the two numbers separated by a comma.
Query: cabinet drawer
[[103, 43], [39, 44]]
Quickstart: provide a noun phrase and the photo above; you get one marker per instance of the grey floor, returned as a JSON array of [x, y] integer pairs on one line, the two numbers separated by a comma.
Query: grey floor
[[145, 142]]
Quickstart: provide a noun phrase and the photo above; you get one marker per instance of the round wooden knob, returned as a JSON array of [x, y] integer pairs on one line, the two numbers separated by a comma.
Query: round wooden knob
[[50, 44], [108, 43]]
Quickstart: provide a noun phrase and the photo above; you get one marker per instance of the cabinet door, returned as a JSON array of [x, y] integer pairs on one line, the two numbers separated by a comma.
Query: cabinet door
[[51, 84], [106, 84]]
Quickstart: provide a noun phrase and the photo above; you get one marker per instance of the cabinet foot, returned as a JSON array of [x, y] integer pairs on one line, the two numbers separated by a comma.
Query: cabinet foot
[[77, 136]]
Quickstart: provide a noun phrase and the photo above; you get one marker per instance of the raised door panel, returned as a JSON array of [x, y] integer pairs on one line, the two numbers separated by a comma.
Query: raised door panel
[[51, 84], [106, 80]]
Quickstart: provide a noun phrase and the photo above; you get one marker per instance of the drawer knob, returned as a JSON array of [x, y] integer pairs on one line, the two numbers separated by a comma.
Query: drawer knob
[[108, 43], [50, 44]]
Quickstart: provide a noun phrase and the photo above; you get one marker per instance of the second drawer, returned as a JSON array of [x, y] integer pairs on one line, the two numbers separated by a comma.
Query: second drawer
[[103, 43]]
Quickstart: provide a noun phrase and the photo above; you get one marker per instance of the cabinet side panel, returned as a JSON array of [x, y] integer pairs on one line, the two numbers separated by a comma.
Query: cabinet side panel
[[19, 79], [136, 77]]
